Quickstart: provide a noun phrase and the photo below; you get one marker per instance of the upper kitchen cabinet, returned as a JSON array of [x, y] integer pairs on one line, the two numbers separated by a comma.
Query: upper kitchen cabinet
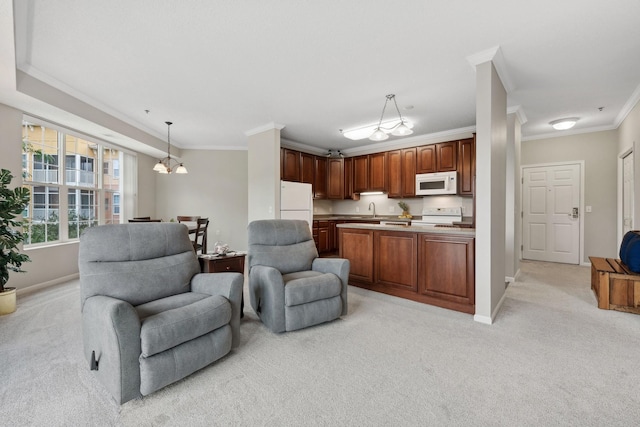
[[360, 174], [307, 168], [347, 165], [320, 178], [370, 173], [466, 166], [335, 179], [290, 165], [378, 172], [401, 169], [441, 157]]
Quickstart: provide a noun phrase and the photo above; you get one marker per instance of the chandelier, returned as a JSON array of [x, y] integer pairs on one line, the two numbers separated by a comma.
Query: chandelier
[[380, 132], [165, 165]]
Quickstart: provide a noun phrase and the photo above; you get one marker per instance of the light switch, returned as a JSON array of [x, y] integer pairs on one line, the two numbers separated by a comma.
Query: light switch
[[587, 208]]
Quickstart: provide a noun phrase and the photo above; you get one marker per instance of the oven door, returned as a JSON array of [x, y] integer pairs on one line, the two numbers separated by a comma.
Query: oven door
[[428, 184]]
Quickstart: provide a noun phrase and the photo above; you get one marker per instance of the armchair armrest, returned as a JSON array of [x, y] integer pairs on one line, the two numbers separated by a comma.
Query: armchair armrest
[[338, 266], [266, 292], [111, 328], [229, 285]]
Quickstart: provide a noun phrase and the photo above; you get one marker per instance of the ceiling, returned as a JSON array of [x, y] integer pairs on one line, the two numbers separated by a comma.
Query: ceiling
[[218, 69]]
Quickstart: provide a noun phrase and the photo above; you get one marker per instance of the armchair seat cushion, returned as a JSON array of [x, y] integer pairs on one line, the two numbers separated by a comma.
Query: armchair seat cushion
[[307, 286], [171, 321]]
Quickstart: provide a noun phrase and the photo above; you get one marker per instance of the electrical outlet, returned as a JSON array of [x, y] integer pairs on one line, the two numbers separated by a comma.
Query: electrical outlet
[[588, 208], [315, 210], [357, 209], [392, 209]]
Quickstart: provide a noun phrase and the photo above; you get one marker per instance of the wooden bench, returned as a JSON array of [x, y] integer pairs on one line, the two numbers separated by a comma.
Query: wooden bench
[[615, 286]]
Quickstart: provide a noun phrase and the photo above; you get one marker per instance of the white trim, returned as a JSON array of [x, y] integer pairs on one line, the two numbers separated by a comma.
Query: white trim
[[489, 320], [628, 106], [620, 184], [573, 131], [494, 55], [263, 128], [47, 284], [582, 213], [514, 278], [519, 112]]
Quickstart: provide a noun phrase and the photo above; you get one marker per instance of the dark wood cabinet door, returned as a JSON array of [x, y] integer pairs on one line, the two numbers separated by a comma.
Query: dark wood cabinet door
[[356, 245], [446, 269], [409, 172], [466, 166], [324, 238], [307, 168], [320, 178], [347, 164], [446, 156], [290, 165], [360, 174], [426, 159], [335, 179], [396, 257], [394, 173], [378, 172]]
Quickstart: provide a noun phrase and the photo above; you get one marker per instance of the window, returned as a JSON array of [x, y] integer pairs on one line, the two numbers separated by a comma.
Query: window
[[47, 151]]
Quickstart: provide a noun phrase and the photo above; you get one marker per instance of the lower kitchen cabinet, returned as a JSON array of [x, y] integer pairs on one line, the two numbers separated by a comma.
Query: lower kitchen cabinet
[[432, 268], [395, 260], [356, 245], [446, 270]]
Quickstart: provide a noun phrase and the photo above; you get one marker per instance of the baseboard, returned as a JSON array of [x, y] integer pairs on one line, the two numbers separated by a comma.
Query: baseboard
[[489, 320], [512, 279], [40, 286]]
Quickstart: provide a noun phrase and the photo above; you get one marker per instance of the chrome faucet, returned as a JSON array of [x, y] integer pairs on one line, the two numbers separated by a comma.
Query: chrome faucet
[[374, 208]]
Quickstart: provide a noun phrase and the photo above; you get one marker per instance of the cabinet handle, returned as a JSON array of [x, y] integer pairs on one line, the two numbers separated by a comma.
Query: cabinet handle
[[228, 267]]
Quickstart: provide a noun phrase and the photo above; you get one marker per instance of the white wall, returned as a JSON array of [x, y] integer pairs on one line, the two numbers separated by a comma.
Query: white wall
[[264, 174], [629, 138], [215, 187], [599, 152]]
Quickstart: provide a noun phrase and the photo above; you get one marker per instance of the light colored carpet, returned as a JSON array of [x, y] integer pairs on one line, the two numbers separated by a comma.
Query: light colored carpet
[[551, 358]]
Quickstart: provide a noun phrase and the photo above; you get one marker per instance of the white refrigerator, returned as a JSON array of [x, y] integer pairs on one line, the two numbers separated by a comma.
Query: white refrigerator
[[296, 201]]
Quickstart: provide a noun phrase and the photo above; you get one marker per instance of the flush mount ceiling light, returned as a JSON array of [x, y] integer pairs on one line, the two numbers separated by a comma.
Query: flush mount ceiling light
[[381, 131], [564, 124], [164, 165]]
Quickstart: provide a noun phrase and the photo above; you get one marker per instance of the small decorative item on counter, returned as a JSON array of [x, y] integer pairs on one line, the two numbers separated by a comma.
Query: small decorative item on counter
[[220, 248], [405, 210]]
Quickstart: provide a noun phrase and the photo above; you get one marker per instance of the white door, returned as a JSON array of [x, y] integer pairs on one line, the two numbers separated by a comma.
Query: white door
[[627, 193], [551, 216]]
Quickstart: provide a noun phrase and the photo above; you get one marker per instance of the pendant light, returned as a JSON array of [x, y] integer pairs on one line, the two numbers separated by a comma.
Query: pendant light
[[401, 129], [164, 166]]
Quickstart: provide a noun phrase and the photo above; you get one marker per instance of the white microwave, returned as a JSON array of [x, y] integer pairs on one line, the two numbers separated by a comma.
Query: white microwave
[[429, 184]]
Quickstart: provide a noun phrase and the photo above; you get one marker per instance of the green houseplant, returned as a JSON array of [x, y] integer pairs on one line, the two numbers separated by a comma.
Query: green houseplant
[[12, 203]]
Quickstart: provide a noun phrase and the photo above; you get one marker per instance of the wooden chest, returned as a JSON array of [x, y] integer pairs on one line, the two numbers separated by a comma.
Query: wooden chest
[[615, 286]]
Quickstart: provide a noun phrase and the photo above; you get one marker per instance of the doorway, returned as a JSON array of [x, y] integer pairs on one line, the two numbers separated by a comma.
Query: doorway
[[551, 212]]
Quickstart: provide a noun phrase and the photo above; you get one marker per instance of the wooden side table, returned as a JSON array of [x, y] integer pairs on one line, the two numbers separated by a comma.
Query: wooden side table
[[224, 264]]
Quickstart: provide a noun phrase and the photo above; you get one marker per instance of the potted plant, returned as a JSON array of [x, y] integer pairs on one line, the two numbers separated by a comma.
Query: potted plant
[[12, 203]]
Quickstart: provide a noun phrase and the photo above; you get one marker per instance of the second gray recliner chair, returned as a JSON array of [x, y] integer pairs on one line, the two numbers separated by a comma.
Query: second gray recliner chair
[[290, 287]]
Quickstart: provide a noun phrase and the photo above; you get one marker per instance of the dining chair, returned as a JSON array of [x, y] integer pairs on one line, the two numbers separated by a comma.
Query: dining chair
[[198, 229]]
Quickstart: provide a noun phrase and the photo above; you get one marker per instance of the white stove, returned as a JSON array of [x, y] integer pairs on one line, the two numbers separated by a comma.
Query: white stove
[[439, 216]]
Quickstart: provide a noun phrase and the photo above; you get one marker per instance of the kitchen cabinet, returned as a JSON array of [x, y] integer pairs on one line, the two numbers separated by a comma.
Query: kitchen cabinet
[[321, 236], [369, 173], [466, 166], [440, 157], [356, 245], [401, 173], [290, 166], [446, 270], [320, 178], [378, 172], [395, 259], [347, 165], [307, 168], [335, 179], [436, 268], [360, 174]]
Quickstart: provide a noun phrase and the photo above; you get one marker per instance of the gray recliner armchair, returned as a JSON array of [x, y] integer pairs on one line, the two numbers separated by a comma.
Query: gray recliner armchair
[[149, 317], [289, 286]]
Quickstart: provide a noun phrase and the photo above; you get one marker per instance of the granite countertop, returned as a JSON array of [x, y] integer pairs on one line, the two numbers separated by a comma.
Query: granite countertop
[[412, 228]]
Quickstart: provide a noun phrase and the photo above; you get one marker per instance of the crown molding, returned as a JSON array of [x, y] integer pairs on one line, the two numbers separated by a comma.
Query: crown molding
[[628, 106], [494, 55], [519, 112], [562, 133], [264, 128]]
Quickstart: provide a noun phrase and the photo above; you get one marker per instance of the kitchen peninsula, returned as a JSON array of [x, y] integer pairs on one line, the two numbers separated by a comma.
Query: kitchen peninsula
[[431, 265]]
